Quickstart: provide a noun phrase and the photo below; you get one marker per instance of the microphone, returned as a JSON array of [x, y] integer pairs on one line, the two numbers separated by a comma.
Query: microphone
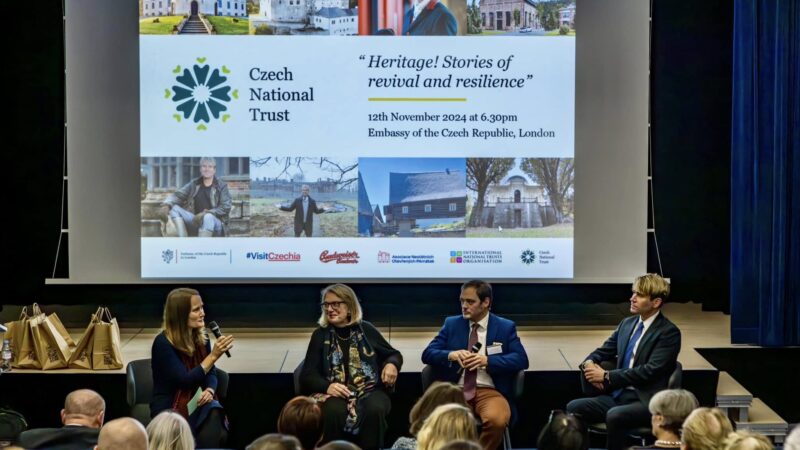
[[217, 333], [475, 349]]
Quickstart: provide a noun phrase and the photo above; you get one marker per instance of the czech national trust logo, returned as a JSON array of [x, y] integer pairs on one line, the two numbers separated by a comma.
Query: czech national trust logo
[[527, 257], [201, 93]]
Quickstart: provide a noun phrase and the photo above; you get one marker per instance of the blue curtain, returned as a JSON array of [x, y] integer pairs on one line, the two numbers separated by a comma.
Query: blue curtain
[[765, 173]]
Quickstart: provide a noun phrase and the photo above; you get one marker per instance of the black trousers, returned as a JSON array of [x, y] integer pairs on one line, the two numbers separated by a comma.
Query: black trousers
[[376, 406], [212, 432], [620, 415]]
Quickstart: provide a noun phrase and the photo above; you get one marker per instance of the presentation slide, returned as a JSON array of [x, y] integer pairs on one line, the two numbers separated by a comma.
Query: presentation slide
[[421, 139]]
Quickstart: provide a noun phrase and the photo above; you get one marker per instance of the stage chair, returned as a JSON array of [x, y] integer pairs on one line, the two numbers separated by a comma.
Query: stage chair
[[642, 434], [296, 377], [427, 378], [139, 381]]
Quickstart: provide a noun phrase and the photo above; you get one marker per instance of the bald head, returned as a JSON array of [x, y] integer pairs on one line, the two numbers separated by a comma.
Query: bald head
[[84, 407], [122, 434]]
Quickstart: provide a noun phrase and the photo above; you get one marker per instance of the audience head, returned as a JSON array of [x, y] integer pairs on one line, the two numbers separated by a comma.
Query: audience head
[[347, 310], [84, 407], [439, 393], [169, 431], [184, 319], [746, 440], [460, 444], [339, 445], [275, 441], [563, 432], [446, 423], [669, 408], [793, 440], [301, 417], [705, 429], [122, 434]]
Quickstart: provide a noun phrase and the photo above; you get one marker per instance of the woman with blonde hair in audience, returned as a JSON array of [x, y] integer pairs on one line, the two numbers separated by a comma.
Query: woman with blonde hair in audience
[[705, 429], [447, 423], [438, 393], [746, 440], [169, 431], [668, 409]]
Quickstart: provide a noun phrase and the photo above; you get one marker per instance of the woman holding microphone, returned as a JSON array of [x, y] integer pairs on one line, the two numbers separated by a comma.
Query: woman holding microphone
[[183, 364]]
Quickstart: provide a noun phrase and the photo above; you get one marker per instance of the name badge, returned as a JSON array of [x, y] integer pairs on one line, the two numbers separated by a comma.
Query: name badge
[[494, 349]]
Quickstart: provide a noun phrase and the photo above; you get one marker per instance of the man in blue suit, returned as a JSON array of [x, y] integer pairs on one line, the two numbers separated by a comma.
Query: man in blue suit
[[644, 348], [487, 376], [429, 18]]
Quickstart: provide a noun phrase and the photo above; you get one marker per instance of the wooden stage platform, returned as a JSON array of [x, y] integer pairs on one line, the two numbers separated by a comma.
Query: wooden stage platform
[[280, 350]]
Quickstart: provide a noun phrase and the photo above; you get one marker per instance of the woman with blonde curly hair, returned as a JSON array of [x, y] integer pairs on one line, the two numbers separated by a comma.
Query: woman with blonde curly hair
[[169, 431], [447, 423]]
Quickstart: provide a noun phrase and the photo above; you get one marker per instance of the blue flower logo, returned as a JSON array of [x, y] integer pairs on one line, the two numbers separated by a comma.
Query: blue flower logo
[[167, 256], [201, 93]]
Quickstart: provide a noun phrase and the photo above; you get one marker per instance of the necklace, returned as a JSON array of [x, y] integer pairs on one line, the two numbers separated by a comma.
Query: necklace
[[663, 443], [343, 339]]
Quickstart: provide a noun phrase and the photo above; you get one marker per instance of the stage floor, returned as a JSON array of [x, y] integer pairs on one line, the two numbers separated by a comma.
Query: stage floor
[[277, 350]]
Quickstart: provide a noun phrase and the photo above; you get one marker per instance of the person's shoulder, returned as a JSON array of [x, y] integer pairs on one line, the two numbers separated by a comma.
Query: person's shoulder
[[161, 342], [666, 323], [502, 321], [452, 320], [368, 327]]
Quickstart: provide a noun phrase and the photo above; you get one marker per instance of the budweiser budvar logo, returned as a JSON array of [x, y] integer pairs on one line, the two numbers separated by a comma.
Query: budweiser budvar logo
[[340, 258]]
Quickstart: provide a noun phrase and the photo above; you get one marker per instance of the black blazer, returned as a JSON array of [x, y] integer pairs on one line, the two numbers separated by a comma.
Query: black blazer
[[65, 438], [653, 363], [301, 223]]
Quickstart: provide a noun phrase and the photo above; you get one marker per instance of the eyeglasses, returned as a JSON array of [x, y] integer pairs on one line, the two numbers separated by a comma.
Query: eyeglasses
[[334, 305]]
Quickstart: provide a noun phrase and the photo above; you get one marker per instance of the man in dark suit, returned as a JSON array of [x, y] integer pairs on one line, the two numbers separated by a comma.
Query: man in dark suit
[[304, 208], [429, 18], [488, 375], [645, 347], [82, 416]]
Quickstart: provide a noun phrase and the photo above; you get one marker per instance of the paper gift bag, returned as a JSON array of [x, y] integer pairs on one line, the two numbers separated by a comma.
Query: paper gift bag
[[61, 329], [26, 357], [52, 350], [106, 349], [12, 332], [82, 354]]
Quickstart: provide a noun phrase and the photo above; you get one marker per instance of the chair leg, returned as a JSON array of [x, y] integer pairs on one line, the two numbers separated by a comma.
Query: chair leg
[[506, 439]]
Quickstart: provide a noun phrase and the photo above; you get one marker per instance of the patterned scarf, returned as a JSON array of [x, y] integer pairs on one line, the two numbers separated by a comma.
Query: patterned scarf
[[182, 397], [361, 368]]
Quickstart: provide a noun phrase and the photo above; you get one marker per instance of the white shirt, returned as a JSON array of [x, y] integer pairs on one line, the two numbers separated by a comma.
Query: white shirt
[[647, 324], [484, 379], [305, 208], [418, 7]]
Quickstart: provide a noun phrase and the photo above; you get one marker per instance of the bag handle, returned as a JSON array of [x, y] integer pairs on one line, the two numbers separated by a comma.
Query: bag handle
[[107, 314], [24, 313], [96, 316], [36, 309]]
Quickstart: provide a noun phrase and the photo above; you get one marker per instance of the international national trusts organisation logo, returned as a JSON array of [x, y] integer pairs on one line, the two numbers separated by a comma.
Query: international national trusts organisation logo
[[201, 93], [476, 256], [274, 256], [340, 258], [528, 257], [168, 255]]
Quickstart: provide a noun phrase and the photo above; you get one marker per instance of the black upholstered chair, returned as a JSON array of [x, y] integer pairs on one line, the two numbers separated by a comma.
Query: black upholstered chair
[[139, 380], [642, 434]]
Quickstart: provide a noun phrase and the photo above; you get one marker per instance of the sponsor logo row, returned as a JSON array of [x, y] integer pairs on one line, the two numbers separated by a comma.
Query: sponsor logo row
[[527, 257]]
